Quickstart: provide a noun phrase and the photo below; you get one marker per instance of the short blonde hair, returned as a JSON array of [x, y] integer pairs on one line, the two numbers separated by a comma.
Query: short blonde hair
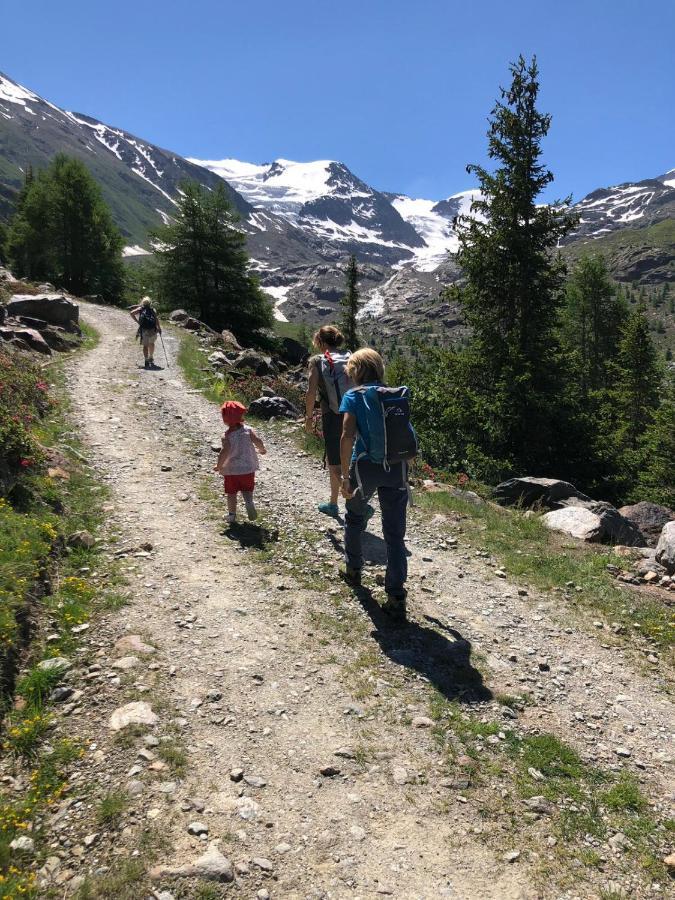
[[365, 365]]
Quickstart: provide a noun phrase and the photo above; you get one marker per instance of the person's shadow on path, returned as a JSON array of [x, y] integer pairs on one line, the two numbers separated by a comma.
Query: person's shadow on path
[[374, 548], [440, 653]]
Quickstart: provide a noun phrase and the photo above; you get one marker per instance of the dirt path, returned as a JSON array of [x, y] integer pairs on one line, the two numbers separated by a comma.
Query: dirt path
[[256, 681]]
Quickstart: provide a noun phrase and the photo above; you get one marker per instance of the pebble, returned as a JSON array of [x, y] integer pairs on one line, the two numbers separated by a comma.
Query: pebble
[[236, 775], [511, 856], [262, 863], [422, 722], [198, 828], [329, 771], [23, 844]]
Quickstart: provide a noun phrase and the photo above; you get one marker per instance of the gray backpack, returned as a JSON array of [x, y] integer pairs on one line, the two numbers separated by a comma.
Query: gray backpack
[[332, 368]]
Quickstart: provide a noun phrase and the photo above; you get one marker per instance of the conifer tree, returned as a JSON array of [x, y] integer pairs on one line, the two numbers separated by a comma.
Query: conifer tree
[[63, 232], [640, 376], [592, 319], [514, 280], [656, 477], [350, 306], [203, 266]]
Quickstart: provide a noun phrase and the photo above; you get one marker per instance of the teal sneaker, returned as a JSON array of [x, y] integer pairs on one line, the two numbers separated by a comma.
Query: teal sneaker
[[329, 509]]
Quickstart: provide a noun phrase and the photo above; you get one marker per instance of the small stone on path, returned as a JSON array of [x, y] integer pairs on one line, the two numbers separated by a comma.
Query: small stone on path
[[137, 713]]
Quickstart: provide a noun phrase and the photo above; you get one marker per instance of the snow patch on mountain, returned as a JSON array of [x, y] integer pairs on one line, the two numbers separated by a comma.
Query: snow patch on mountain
[[10, 92]]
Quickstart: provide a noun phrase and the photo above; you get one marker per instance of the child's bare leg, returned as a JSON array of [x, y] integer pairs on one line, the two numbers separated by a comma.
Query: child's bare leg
[[251, 511], [231, 507]]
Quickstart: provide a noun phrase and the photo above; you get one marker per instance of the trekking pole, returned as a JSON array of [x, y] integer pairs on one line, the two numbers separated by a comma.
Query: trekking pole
[[164, 349]]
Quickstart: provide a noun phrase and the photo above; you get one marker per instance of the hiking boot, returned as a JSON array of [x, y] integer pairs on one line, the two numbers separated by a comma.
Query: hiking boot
[[251, 511], [146, 364], [329, 509], [395, 607], [350, 576]]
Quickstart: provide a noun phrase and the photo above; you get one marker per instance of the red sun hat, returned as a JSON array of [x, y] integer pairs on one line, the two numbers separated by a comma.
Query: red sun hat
[[232, 412]]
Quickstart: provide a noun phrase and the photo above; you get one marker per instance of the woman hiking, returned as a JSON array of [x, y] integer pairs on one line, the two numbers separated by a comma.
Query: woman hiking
[[328, 379], [375, 458], [148, 329]]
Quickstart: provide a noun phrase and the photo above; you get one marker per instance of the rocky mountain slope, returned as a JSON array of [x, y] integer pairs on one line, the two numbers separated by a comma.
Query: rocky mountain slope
[[302, 219]]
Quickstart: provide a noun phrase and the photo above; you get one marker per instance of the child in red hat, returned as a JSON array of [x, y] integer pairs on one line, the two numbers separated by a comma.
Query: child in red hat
[[238, 459]]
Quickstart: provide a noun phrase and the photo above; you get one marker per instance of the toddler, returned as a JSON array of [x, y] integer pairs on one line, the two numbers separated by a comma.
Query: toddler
[[238, 459]]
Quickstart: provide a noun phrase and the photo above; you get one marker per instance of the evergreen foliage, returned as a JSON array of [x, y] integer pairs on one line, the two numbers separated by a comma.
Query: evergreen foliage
[[591, 323], [656, 476], [640, 377], [62, 232], [350, 304], [514, 280], [203, 266]]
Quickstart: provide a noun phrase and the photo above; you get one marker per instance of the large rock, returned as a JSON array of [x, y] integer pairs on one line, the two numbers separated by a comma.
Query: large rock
[[648, 517], [230, 341], [137, 713], [53, 308], [211, 866], [665, 549], [549, 492], [251, 360], [594, 522], [25, 338], [576, 521], [293, 352], [268, 407]]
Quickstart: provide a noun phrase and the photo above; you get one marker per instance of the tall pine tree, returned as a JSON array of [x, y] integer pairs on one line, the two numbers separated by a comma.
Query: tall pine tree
[[513, 288], [592, 320], [656, 475], [63, 232], [350, 304], [203, 266], [639, 381]]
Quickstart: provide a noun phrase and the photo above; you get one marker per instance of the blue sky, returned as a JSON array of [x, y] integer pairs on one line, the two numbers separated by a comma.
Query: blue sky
[[399, 90]]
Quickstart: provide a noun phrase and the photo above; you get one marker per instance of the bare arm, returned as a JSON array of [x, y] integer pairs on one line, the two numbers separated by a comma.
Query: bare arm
[[346, 447], [133, 312], [310, 399], [257, 443], [222, 456]]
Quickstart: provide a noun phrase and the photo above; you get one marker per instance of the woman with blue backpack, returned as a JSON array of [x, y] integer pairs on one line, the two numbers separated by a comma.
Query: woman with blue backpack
[[377, 443]]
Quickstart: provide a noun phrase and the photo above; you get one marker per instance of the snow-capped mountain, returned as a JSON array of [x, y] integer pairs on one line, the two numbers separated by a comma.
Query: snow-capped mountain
[[630, 205], [302, 219]]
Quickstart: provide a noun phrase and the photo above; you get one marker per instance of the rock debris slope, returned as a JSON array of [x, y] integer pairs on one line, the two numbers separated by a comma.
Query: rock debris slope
[[307, 784]]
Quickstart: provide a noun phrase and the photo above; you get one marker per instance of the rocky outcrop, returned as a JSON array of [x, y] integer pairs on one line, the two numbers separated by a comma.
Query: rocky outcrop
[[55, 309], [548, 492], [594, 522], [649, 518], [272, 407], [24, 338], [665, 549], [251, 360]]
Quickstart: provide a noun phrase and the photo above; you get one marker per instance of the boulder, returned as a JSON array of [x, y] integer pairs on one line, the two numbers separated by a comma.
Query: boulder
[[648, 517], [25, 338], [53, 308], [255, 362], [230, 341], [267, 407], [549, 492], [665, 549], [218, 359], [178, 316], [576, 521], [594, 522], [293, 352], [55, 338]]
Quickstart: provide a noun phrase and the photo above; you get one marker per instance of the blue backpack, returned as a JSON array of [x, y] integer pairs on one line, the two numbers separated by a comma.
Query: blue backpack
[[391, 437]]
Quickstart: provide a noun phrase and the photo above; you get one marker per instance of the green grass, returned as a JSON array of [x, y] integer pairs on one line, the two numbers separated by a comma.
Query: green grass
[[126, 882], [199, 374], [174, 756], [584, 800], [530, 553], [110, 808]]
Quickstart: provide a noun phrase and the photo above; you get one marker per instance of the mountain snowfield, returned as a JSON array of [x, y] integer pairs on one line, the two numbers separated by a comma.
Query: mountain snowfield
[[295, 191]]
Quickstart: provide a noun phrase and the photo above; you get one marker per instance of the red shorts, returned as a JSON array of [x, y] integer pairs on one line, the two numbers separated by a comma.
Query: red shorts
[[234, 483]]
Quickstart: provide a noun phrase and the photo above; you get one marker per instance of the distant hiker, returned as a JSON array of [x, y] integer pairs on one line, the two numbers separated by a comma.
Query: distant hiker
[[377, 443], [328, 378], [238, 460], [148, 329]]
